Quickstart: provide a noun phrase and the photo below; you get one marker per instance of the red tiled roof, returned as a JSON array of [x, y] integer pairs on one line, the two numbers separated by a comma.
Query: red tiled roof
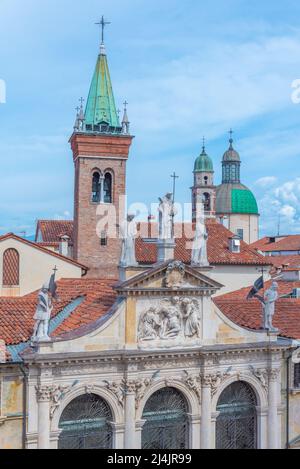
[[288, 243], [52, 230], [279, 261], [43, 249], [249, 313], [217, 246], [16, 314]]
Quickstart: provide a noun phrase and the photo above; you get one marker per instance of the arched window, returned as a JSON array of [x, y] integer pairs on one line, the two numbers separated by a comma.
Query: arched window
[[11, 268], [108, 188], [206, 180], [166, 425], [85, 424], [206, 198], [96, 188], [237, 422]]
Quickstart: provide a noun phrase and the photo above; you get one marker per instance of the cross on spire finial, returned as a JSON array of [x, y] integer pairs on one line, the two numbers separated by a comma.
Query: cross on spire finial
[[125, 105], [231, 135], [174, 177], [102, 25], [203, 147], [81, 101]]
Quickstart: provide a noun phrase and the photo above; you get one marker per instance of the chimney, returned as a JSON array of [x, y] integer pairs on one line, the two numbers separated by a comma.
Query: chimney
[[64, 245], [235, 244]]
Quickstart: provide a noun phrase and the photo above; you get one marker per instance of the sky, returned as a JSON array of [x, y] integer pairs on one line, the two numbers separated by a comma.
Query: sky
[[187, 69]]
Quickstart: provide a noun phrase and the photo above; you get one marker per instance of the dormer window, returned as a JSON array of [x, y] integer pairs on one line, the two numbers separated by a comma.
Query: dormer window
[[235, 245]]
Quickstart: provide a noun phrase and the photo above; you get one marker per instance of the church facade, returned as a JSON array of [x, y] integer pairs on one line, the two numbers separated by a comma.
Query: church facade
[[160, 351]]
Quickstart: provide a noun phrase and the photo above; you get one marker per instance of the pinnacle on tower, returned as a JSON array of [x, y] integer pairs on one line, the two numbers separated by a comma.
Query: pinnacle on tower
[[125, 121]]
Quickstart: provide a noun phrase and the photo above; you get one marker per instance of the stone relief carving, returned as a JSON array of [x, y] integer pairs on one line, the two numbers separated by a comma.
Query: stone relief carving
[[174, 275], [43, 392], [57, 394], [261, 375], [137, 387], [214, 380], [51, 393], [193, 382], [173, 318], [117, 389]]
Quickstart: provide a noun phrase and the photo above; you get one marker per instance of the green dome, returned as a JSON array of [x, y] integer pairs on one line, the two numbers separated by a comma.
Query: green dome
[[235, 198], [203, 163]]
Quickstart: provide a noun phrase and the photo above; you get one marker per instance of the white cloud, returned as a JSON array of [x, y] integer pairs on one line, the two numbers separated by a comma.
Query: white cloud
[[281, 205], [213, 87], [266, 181]]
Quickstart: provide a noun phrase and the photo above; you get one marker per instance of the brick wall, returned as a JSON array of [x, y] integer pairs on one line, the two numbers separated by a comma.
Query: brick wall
[[104, 153]]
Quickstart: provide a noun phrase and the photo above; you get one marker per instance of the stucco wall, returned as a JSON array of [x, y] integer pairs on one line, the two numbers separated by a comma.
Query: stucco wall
[[248, 223], [35, 267], [234, 277], [11, 411]]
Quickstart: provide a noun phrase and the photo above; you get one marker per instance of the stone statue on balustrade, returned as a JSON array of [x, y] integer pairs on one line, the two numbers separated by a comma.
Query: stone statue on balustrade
[[199, 249], [167, 213], [128, 231]]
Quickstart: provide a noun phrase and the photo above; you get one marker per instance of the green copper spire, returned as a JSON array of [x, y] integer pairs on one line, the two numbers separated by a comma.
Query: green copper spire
[[100, 107]]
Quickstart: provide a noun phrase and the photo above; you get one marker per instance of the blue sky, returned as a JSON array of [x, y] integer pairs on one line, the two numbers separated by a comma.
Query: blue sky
[[187, 69]]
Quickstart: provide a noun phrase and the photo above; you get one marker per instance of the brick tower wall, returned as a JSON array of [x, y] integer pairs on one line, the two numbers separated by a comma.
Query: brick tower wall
[[103, 153]]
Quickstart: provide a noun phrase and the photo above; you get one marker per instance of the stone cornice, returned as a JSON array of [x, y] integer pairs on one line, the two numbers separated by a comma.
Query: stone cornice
[[130, 356]]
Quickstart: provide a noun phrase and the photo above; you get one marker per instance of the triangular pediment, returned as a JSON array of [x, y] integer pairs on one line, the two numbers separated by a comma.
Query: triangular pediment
[[167, 277]]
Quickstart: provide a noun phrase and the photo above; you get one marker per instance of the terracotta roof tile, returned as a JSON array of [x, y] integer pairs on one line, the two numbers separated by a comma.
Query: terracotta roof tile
[[279, 261], [218, 245], [16, 314], [52, 230], [288, 243], [249, 313]]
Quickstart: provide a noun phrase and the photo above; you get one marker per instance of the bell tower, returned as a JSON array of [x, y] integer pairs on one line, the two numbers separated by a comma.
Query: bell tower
[[100, 146], [204, 188]]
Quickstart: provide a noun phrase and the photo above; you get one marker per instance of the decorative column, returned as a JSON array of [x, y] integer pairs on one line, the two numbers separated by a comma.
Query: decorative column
[[43, 397], [130, 391], [139, 429], [118, 435], [102, 179], [194, 421], [273, 424], [206, 413], [214, 417]]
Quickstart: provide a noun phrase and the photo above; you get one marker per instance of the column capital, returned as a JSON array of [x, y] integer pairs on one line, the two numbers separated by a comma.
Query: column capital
[[273, 374], [44, 392]]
